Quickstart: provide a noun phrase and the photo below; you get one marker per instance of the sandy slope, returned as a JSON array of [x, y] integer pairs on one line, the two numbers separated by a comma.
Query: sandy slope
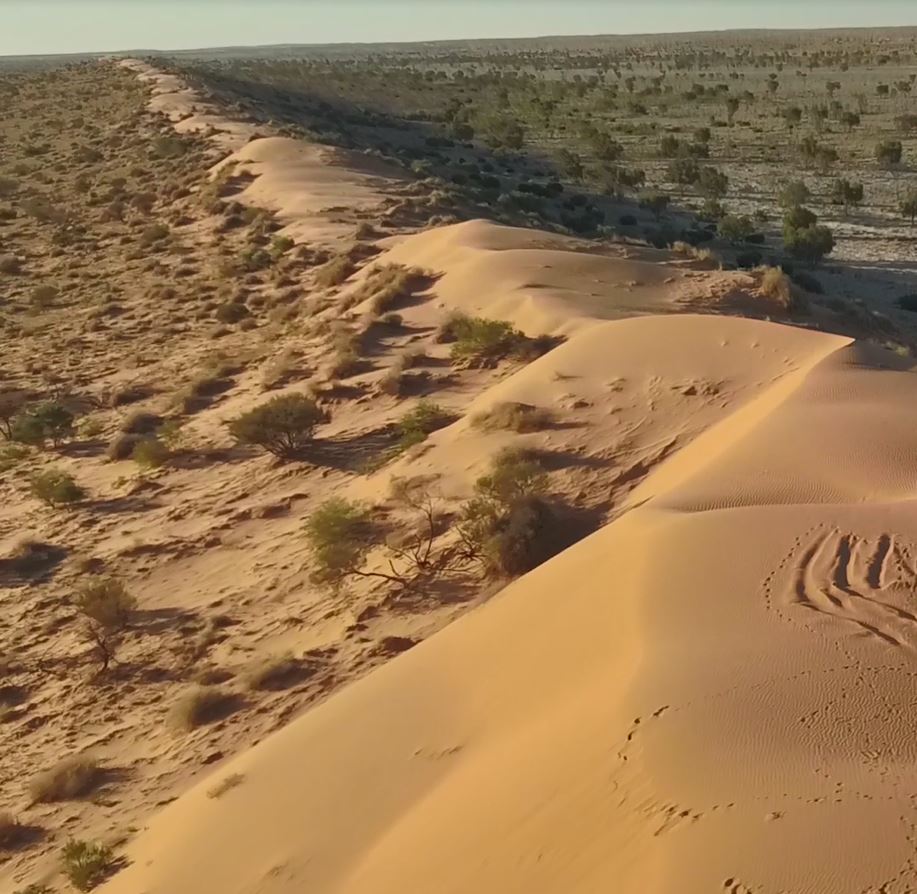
[[711, 693]]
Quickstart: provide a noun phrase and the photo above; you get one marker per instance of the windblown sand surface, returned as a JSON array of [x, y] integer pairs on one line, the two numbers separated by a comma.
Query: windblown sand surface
[[711, 692]]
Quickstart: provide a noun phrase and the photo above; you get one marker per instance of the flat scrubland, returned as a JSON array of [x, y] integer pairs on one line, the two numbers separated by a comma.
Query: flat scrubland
[[305, 362]]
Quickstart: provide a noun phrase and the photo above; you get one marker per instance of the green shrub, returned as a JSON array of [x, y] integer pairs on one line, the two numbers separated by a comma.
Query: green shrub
[[338, 535], [56, 488], [105, 602], [506, 525], [87, 863], [809, 244], [422, 421], [150, 453], [283, 426], [46, 421], [482, 342]]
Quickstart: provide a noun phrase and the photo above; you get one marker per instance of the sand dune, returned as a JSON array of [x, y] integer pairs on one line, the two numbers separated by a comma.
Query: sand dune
[[708, 694]]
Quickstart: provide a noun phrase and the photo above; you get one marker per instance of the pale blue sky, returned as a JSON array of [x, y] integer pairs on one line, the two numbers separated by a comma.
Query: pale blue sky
[[58, 26]]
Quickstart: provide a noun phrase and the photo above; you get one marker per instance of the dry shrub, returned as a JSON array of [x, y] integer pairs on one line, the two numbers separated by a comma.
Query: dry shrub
[[335, 272], [106, 602], [198, 706], [274, 672], [512, 416], [122, 446], [140, 423], [387, 285], [68, 780], [776, 285]]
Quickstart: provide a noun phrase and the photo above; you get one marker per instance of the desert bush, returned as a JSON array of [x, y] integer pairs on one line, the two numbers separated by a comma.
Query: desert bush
[[150, 453], [735, 229], [505, 525], [272, 673], [338, 533], [45, 421], [334, 272], [86, 863], [56, 488], [482, 342], [68, 780], [386, 285], [809, 244], [283, 426], [776, 285], [231, 312], [105, 602], [122, 446], [199, 706], [416, 425], [254, 259], [847, 193], [140, 422], [512, 416]]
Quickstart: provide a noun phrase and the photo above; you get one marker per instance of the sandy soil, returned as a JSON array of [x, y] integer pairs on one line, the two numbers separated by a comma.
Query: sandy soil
[[711, 682]]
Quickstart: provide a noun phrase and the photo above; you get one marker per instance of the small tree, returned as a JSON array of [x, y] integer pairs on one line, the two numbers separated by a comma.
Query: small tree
[[799, 217], [850, 120], [809, 244], [847, 193], [283, 426], [46, 421], [684, 171], [793, 194]]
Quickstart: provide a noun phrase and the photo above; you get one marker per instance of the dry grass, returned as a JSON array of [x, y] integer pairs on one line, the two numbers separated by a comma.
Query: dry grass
[[778, 287], [387, 285], [512, 416], [272, 673], [234, 780], [68, 780], [335, 272], [199, 706]]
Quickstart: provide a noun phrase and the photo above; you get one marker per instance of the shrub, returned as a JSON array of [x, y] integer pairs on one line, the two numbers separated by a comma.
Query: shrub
[[86, 863], [273, 673], [335, 272], [231, 312], [283, 426], [338, 535], [908, 205], [140, 423], [505, 525], [888, 152], [68, 780], [150, 453], [808, 244], [483, 342], [122, 446], [56, 488], [736, 229], [105, 602], [423, 420], [847, 193], [512, 416], [776, 285], [46, 421], [199, 706]]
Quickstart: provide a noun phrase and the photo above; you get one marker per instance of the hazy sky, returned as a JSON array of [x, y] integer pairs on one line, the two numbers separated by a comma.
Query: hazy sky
[[59, 26]]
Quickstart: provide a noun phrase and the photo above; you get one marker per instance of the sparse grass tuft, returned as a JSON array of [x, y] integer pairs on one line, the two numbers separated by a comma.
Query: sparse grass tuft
[[274, 672], [419, 423], [87, 863], [512, 416], [199, 706], [72, 778], [335, 272]]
